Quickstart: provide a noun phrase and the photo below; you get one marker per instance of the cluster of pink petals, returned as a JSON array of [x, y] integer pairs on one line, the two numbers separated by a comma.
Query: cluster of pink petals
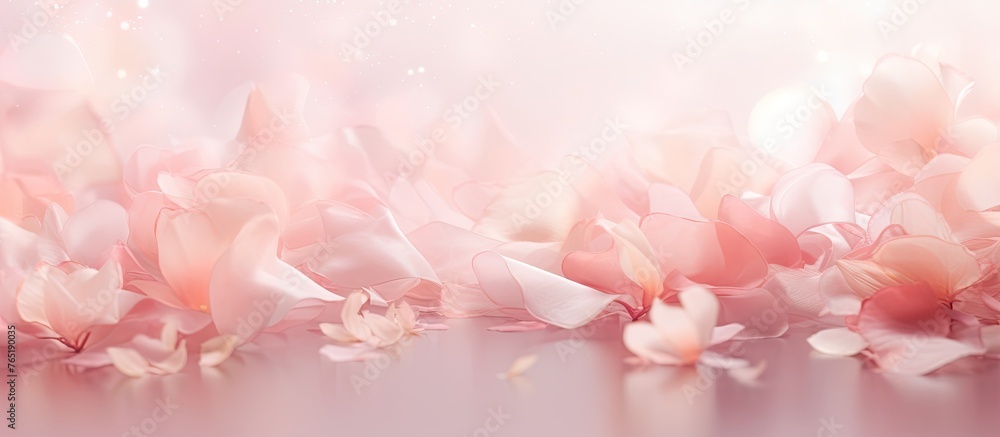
[[883, 223]]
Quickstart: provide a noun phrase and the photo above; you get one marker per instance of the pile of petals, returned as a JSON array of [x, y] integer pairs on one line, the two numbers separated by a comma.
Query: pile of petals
[[881, 223]]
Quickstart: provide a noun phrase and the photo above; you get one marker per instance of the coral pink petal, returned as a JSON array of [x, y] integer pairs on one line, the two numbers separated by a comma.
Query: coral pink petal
[[710, 253], [775, 242], [907, 330]]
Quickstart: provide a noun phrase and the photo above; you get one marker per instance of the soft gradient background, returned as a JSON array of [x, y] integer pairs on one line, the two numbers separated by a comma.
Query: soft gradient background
[[559, 83]]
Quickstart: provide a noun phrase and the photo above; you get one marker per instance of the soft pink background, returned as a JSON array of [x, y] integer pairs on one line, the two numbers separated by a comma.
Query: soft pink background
[[608, 58]]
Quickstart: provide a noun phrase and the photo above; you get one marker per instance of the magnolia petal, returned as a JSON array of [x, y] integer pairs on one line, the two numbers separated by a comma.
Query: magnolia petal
[[703, 308], [647, 342], [173, 363], [128, 361], [350, 316], [217, 350], [385, 330], [680, 335], [338, 332]]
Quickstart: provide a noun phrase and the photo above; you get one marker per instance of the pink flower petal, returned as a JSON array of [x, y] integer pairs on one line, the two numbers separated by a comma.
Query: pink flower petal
[[907, 330], [838, 341]]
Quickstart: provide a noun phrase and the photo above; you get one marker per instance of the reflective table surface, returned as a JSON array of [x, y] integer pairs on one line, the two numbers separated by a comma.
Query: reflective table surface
[[445, 383]]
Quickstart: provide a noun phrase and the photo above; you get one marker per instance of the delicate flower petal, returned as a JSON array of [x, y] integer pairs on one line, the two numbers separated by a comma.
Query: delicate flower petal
[[128, 361], [703, 308], [838, 341], [647, 342], [217, 350], [338, 333]]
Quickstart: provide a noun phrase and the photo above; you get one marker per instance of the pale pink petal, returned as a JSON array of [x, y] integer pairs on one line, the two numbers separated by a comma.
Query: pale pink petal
[[350, 316], [92, 230], [703, 308], [251, 289], [338, 333], [128, 361], [680, 335], [668, 199], [217, 350], [837, 294], [647, 342], [946, 267], [975, 185], [914, 214], [866, 278], [191, 241], [551, 298], [903, 100], [969, 137], [810, 196], [838, 341], [385, 330], [362, 249], [173, 363]]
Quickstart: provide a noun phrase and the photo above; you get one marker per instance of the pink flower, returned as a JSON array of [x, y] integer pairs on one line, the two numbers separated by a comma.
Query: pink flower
[[73, 304], [680, 335]]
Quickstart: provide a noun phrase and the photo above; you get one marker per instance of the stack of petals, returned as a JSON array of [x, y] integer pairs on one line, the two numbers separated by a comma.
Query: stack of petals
[[882, 223]]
